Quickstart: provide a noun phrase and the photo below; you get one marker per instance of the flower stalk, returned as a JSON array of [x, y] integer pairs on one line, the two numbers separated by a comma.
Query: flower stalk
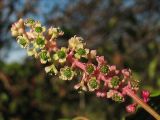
[[75, 60], [142, 104]]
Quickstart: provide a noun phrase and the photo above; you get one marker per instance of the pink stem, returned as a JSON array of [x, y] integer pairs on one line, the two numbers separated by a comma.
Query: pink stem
[[79, 65], [142, 103]]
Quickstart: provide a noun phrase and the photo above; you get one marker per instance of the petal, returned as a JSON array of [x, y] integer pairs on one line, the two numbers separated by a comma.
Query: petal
[[55, 57]]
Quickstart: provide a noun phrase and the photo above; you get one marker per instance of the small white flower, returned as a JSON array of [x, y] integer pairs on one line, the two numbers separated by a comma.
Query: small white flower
[[81, 53], [76, 43], [66, 73], [40, 42], [44, 56], [93, 84], [38, 29], [55, 32], [51, 69], [23, 41], [61, 55]]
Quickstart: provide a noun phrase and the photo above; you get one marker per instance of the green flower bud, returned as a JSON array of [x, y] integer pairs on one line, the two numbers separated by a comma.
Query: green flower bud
[[118, 98], [90, 68], [104, 69], [44, 56], [22, 41], [38, 29], [68, 73], [81, 51], [115, 81], [134, 83], [61, 54], [29, 22], [40, 41]]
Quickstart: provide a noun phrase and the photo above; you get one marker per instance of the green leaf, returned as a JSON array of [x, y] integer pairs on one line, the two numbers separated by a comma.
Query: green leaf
[[155, 93], [4, 97], [152, 67]]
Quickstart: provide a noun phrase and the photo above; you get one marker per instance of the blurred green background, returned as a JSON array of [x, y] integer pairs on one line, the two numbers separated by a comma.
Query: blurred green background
[[126, 32]]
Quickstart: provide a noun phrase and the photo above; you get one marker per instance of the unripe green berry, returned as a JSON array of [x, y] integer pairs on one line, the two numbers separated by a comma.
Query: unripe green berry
[[81, 51], [43, 55], [30, 21], [104, 69], [38, 29], [117, 98], [61, 54], [93, 83], [68, 72], [22, 41], [40, 41], [134, 83], [90, 68], [115, 81]]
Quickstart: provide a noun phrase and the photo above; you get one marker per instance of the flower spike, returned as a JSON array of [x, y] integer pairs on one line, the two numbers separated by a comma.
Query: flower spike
[[100, 78]]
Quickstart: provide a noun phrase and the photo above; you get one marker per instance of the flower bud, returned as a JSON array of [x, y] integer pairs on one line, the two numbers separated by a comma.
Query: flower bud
[[93, 54], [29, 22], [131, 108], [14, 33], [145, 95], [21, 21], [115, 95], [98, 94], [112, 68], [126, 72], [21, 31], [134, 83], [100, 60]]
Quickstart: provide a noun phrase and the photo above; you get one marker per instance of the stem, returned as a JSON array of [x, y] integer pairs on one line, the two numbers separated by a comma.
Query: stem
[[82, 101], [143, 104], [79, 65]]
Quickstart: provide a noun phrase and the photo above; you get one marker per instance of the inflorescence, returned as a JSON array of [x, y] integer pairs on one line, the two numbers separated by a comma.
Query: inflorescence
[[96, 74]]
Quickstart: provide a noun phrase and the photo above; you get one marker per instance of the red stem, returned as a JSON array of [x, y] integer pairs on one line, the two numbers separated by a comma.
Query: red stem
[[142, 103]]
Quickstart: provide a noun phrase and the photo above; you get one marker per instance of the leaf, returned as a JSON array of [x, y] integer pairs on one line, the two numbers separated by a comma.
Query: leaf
[[158, 81], [4, 97], [155, 93], [152, 67]]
